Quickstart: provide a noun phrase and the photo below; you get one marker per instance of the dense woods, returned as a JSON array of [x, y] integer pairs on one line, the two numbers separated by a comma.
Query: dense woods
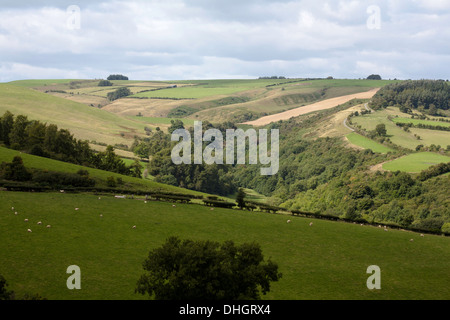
[[427, 96]]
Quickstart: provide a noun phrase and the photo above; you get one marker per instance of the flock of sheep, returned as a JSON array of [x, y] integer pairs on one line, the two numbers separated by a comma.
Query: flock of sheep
[[379, 226], [134, 227]]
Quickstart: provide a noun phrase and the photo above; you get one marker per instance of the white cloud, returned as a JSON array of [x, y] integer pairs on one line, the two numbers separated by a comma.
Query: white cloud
[[212, 38]]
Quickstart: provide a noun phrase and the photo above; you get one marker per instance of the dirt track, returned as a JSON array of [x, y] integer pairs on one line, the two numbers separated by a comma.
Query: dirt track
[[321, 105]]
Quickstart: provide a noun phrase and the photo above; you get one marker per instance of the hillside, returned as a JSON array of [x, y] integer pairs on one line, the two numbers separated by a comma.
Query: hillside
[[327, 260], [85, 122]]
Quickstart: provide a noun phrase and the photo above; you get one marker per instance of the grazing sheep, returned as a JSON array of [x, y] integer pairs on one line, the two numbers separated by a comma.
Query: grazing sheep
[[411, 240], [145, 201], [289, 221], [49, 226], [101, 216], [134, 227], [39, 223], [212, 209], [16, 213], [99, 198], [26, 220], [173, 205], [12, 208], [422, 235], [62, 191], [76, 209], [310, 224], [29, 230]]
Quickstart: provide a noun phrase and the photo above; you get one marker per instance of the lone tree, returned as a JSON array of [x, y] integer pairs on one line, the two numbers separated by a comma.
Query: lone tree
[[240, 198], [380, 130], [206, 270]]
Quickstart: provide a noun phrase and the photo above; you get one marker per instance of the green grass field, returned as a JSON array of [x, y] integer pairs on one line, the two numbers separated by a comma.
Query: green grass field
[[397, 135], [416, 162], [367, 143], [325, 261]]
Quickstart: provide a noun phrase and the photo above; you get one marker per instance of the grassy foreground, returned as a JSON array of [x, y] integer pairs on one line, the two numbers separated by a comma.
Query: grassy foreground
[[327, 260]]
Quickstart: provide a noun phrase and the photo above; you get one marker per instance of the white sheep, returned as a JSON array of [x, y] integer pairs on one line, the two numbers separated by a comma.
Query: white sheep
[[76, 209], [49, 226], [39, 223], [101, 216], [310, 224], [411, 240], [26, 220], [173, 205], [422, 235], [29, 230], [289, 221], [134, 227], [16, 213], [12, 208]]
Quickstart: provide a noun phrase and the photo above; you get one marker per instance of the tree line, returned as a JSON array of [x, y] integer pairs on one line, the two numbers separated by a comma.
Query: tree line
[[47, 140], [428, 96]]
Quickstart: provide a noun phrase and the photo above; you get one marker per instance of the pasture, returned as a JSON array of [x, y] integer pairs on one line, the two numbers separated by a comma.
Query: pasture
[[397, 135], [367, 143], [416, 162], [327, 260]]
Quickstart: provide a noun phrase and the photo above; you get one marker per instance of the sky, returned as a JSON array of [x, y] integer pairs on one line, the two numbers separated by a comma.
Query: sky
[[230, 39]]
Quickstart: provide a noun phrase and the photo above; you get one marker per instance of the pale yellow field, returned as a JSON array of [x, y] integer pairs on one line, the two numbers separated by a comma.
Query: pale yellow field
[[321, 105]]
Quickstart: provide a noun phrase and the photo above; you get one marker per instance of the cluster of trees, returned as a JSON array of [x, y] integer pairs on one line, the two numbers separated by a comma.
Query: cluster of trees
[[119, 93], [105, 83], [391, 197], [272, 77], [16, 171], [428, 96], [215, 179], [117, 77], [46, 140], [374, 77]]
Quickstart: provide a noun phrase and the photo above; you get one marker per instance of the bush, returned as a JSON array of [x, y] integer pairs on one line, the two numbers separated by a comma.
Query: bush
[[105, 83]]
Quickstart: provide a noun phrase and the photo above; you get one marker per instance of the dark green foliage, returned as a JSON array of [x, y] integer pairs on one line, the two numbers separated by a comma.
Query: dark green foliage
[[62, 179], [206, 270], [5, 294], [105, 83], [175, 125], [424, 95], [240, 198], [434, 171], [117, 77], [380, 130], [119, 93], [44, 140], [15, 170], [374, 77]]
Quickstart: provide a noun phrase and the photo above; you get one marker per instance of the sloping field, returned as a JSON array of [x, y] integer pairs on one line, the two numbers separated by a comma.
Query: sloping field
[[30, 161], [367, 143], [416, 162], [322, 105], [327, 260], [84, 122]]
